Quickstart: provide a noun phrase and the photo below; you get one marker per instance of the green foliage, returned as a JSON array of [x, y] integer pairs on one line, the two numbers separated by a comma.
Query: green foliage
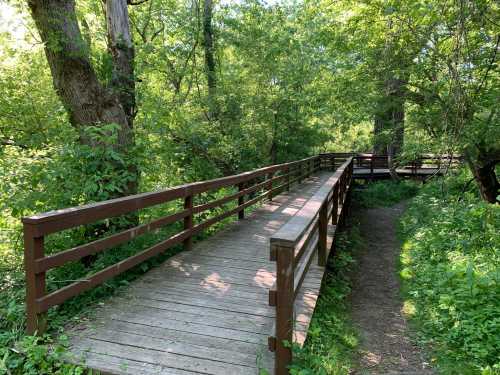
[[450, 269], [331, 339], [36, 356], [384, 193], [292, 81]]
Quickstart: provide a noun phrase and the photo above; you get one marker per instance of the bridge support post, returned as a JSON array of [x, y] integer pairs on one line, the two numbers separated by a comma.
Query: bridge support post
[[284, 307], [35, 281], [322, 234], [188, 221], [241, 201]]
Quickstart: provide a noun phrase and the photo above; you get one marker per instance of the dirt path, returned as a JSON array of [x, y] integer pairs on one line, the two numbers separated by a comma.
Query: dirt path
[[376, 303]]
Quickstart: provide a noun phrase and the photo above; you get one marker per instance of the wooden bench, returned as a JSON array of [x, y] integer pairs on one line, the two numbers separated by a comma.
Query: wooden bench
[[299, 267]]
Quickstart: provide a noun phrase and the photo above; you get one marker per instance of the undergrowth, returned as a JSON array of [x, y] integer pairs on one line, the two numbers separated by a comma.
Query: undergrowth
[[331, 339], [451, 275], [384, 193]]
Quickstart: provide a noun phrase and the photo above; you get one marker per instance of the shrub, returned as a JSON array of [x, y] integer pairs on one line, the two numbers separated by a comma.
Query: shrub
[[385, 193], [450, 271]]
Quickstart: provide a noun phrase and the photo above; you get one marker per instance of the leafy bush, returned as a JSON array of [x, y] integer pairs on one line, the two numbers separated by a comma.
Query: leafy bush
[[331, 340], [36, 356], [450, 268], [385, 193]]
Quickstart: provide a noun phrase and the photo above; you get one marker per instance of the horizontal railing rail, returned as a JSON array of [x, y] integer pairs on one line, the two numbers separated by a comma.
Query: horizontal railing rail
[[422, 165], [293, 248], [252, 187]]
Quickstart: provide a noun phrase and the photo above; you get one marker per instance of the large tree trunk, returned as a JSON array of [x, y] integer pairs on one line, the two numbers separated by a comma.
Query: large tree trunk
[[210, 65], [122, 50], [483, 170], [87, 101]]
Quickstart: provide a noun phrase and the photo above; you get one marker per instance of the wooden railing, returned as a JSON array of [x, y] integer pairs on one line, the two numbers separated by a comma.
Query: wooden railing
[[293, 248], [248, 189], [371, 162]]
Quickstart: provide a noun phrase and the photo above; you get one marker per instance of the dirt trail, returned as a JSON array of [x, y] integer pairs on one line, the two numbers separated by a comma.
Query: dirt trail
[[385, 347]]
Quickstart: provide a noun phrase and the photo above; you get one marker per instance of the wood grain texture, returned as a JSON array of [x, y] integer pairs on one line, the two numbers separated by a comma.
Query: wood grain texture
[[204, 311]]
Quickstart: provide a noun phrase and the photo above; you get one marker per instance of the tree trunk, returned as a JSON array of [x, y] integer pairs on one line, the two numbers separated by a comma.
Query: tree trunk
[[122, 51], [389, 118], [87, 101], [389, 122], [210, 65], [483, 170]]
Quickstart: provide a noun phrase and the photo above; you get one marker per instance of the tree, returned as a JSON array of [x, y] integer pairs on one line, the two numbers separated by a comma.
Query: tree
[[89, 102], [455, 84], [210, 65]]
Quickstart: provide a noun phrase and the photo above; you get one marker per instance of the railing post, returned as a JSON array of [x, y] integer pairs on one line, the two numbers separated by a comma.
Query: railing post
[[188, 222], [371, 167], [299, 168], [322, 234], [333, 163], [241, 201], [335, 203], [270, 186], [35, 282], [287, 171], [342, 200], [284, 307]]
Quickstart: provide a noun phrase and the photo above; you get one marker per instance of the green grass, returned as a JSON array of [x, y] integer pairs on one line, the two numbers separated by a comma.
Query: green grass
[[451, 276], [384, 193], [332, 340]]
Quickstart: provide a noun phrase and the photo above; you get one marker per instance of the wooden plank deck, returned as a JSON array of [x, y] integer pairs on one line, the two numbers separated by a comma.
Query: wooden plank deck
[[203, 311]]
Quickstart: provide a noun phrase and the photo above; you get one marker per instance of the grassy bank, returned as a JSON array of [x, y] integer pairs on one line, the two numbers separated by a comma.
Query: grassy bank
[[451, 276]]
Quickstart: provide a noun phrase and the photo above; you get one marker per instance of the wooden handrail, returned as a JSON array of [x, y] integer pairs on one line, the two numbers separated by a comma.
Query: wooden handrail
[[266, 181], [293, 248]]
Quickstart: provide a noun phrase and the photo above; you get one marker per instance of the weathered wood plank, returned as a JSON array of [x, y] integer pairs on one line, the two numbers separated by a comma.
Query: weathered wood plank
[[169, 360], [202, 311]]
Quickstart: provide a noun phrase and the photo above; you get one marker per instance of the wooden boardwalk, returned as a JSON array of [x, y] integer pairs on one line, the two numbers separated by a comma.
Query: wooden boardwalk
[[228, 304], [377, 173], [204, 311]]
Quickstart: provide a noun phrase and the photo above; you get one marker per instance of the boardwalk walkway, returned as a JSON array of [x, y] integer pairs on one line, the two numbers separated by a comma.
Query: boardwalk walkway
[[228, 304], [204, 311]]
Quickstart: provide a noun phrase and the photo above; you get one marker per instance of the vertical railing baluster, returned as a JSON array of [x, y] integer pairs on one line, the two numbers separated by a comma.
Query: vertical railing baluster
[[35, 281]]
